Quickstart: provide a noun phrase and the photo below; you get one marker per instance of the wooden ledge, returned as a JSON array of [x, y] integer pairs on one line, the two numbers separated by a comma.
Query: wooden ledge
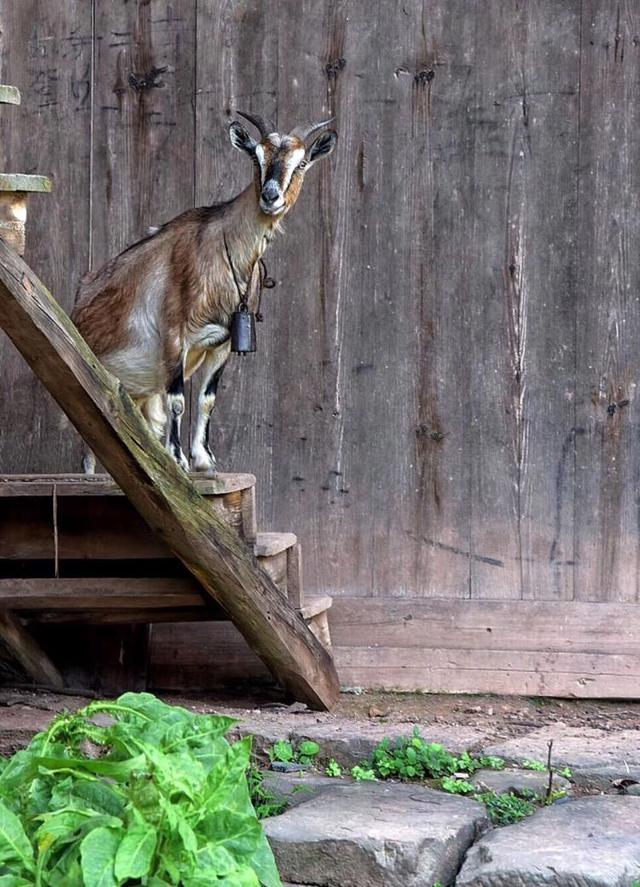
[[104, 485], [9, 95], [268, 544], [315, 606], [19, 182]]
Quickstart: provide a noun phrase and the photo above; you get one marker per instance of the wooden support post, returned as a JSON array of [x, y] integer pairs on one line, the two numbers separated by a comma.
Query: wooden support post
[[114, 428]]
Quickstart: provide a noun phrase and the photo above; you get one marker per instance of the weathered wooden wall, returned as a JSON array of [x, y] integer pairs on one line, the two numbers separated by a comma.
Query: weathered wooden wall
[[444, 400]]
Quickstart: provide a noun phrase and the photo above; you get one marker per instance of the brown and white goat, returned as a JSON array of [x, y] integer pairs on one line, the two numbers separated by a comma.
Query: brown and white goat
[[161, 309]]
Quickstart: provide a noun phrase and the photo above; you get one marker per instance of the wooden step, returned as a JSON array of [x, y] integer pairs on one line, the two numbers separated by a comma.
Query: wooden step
[[279, 555], [15, 485], [270, 544], [77, 516]]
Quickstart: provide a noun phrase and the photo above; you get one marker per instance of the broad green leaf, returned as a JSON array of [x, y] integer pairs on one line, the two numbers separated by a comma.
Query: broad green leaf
[[135, 853], [215, 859], [97, 854], [236, 832], [188, 836], [14, 843], [264, 865], [100, 766], [14, 881]]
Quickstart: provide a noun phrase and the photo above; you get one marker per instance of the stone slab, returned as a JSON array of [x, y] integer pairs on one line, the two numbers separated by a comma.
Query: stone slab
[[591, 842], [596, 757], [375, 835], [297, 789], [518, 781]]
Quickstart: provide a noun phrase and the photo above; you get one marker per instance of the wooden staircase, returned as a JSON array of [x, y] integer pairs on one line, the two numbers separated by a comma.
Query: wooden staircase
[[74, 550]]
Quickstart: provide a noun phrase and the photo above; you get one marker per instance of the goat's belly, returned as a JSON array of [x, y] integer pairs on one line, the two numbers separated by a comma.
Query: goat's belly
[[138, 369]]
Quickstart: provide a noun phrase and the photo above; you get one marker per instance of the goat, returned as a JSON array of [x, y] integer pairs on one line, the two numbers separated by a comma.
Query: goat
[[161, 309]]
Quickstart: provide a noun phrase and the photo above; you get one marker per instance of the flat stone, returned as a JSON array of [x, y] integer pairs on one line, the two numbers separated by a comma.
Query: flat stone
[[591, 842], [351, 745], [298, 788], [596, 757], [518, 781], [375, 835]]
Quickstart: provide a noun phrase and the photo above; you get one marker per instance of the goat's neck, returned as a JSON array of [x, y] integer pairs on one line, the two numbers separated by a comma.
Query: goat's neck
[[247, 232]]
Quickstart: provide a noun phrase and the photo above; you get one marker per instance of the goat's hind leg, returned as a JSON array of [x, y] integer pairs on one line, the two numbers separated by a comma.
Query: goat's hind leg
[[155, 412], [202, 459]]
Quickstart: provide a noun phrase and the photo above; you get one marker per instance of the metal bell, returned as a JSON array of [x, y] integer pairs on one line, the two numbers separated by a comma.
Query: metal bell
[[243, 331]]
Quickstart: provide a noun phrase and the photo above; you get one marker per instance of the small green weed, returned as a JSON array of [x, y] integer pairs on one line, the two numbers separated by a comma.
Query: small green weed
[[412, 757], [363, 774], [284, 751], [333, 768], [534, 765], [265, 802], [568, 774], [457, 786], [506, 809]]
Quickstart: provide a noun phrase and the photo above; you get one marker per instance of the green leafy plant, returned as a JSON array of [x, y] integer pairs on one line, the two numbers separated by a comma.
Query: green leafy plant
[[154, 796], [333, 768], [457, 786], [363, 774], [412, 757], [283, 750], [567, 772], [506, 809], [307, 751], [534, 765]]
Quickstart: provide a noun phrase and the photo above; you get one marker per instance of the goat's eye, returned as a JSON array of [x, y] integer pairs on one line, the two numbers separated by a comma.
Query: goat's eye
[[302, 164]]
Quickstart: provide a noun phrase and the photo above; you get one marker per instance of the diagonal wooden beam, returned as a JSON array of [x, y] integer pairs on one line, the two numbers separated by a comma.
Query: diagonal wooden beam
[[114, 428], [27, 652]]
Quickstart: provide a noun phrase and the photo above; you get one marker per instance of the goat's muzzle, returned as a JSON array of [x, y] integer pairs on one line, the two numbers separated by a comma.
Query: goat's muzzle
[[271, 198]]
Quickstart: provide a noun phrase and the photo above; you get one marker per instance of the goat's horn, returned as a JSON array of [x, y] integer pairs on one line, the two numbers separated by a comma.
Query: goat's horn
[[303, 132], [259, 122]]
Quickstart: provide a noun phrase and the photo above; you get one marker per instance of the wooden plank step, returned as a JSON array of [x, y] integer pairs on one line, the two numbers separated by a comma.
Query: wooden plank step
[[9, 95], [104, 485], [270, 544]]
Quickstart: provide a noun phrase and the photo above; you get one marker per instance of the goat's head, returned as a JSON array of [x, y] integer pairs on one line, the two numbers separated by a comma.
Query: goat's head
[[280, 161]]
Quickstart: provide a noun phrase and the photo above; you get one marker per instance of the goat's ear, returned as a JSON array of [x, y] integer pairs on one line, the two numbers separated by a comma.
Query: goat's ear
[[322, 147], [241, 139]]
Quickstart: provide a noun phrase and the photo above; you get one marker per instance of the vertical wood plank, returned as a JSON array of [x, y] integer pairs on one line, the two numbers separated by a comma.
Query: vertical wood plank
[[522, 292], [46, 51], [144, 120], [608, 332]]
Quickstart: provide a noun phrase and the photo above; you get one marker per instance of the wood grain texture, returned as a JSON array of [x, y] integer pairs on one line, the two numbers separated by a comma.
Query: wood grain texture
[[46, 51], [443, 403], [163, 494], [607, 336], [570, 648]]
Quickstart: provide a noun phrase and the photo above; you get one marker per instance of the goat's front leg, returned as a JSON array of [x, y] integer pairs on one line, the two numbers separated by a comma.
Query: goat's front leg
[[175, 399], [202, 459]]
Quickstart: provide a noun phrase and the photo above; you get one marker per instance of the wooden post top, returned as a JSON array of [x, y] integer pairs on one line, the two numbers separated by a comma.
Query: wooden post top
[[23, 183], [9, 95]]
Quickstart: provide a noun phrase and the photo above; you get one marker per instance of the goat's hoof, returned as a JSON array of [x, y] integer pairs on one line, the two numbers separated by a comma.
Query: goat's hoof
[[180, 458], [204, 463]]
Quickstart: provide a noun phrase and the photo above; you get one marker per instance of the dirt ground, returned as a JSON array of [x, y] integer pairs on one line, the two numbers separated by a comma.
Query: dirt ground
[[23, 712]]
